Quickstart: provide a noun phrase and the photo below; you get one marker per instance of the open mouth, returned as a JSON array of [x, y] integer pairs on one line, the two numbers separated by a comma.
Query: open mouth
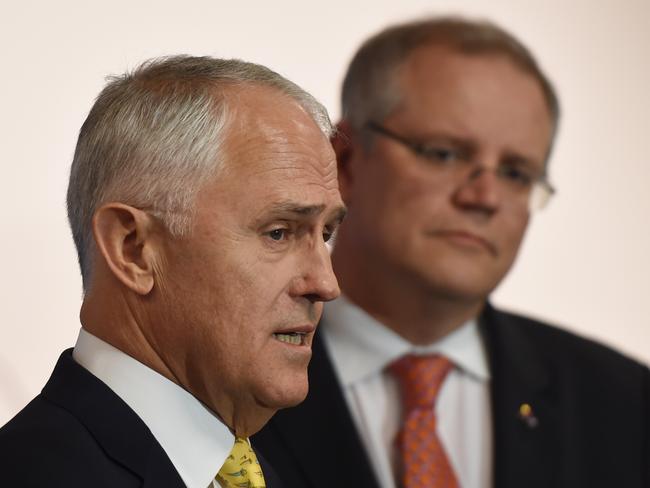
[[295, 338]]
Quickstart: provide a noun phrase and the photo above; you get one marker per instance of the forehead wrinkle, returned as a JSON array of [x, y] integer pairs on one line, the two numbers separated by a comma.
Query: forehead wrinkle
[[284, 150], [306, 176], [299, 156], [310, 170]]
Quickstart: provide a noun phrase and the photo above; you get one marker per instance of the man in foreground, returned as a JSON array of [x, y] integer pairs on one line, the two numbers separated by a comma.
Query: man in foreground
[[201, 195], [416, 380]]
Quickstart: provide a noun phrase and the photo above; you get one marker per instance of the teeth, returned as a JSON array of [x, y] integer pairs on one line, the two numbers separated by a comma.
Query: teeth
[[291, 338]]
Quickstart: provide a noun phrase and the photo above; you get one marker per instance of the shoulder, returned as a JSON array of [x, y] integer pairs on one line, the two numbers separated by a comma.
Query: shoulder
[[45, 445], [573, 356], [554, 340]]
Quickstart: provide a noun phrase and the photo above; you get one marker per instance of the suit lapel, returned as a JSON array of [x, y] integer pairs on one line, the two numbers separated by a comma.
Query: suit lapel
[[120, 432], [160, 472], [270, 476], [524, 438], [320, 432]]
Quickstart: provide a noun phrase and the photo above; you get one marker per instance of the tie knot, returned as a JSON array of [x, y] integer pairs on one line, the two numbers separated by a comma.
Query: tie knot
[[420, 379], [241, 467]]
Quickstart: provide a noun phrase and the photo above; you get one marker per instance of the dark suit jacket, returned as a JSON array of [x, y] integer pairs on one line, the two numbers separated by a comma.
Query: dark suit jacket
[[78, 433], [592, 407]]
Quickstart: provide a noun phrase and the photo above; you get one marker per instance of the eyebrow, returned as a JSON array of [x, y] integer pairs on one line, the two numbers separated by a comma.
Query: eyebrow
[[340, 214], [308, 210], [469, 145], [526, 161]]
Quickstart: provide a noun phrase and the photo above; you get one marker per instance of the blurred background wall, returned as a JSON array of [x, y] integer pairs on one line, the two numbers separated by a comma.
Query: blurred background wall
[[585, 261]]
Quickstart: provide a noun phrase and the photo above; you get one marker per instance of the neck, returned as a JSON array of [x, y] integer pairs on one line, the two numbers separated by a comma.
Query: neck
[[112, 315], [415, 310], [113, 318]]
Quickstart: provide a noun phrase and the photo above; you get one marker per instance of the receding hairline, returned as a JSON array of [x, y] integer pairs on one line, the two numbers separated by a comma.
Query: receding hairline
[[229, 92], [435, 48], [245, 117], [381, 55]]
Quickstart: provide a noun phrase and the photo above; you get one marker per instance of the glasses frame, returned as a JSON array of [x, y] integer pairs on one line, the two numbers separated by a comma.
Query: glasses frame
[[541, 191]]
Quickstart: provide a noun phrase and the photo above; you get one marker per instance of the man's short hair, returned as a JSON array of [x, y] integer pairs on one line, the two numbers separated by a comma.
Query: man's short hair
[[154, 135], [371, 90]]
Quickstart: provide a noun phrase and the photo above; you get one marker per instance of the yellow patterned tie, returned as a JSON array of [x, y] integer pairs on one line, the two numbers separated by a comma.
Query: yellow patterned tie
[[241, 469]]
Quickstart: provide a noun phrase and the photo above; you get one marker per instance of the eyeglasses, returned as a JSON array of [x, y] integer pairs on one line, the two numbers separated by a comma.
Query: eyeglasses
[[517, 179]]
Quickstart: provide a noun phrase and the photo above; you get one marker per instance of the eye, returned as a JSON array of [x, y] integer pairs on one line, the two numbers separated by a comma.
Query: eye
[[518, 175], [277, 234], [439, 154]]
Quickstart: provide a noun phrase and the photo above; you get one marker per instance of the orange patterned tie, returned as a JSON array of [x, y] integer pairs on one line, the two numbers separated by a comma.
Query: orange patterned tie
[[425, 463]]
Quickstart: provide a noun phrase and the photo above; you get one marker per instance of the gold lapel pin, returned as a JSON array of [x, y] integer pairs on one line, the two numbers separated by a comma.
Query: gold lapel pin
[[527, 415]]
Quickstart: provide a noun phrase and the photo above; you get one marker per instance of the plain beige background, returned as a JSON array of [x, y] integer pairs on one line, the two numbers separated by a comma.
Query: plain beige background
[[584, 263]]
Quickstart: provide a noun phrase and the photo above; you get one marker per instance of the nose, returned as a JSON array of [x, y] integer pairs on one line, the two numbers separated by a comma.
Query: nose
[[317, 282], [480, 191]]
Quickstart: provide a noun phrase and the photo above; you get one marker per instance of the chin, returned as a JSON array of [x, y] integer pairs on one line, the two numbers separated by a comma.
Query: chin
[[284, 394], [461, 281]]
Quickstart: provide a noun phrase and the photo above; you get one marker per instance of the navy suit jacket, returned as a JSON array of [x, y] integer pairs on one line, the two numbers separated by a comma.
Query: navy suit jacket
[[79, 433], [592, 407]]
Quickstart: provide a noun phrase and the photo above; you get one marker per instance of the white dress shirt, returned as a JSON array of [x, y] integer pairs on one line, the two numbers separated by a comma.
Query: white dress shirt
[[361, 348], [193, 437]]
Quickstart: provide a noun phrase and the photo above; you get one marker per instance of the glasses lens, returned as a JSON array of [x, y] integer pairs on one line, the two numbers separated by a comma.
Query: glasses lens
[[539, 196]]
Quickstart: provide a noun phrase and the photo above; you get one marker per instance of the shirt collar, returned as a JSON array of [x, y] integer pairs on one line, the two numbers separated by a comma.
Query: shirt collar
[[360, 346], [175, 417]]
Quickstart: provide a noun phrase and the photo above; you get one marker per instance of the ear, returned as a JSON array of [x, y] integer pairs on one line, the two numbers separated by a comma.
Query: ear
[[125, 239], [344, 144]]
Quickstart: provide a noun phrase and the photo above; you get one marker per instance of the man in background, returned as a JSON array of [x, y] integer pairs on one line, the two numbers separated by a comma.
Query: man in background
[[416, 380], [201, 195]]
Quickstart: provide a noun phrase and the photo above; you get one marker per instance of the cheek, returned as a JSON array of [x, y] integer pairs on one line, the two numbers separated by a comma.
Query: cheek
[[512, 232], [253, 298], [413, 203], [205, 290], [394, 186]]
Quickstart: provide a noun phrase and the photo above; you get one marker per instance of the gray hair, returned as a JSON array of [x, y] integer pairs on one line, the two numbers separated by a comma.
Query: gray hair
[[154, 136], [371, 90]]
